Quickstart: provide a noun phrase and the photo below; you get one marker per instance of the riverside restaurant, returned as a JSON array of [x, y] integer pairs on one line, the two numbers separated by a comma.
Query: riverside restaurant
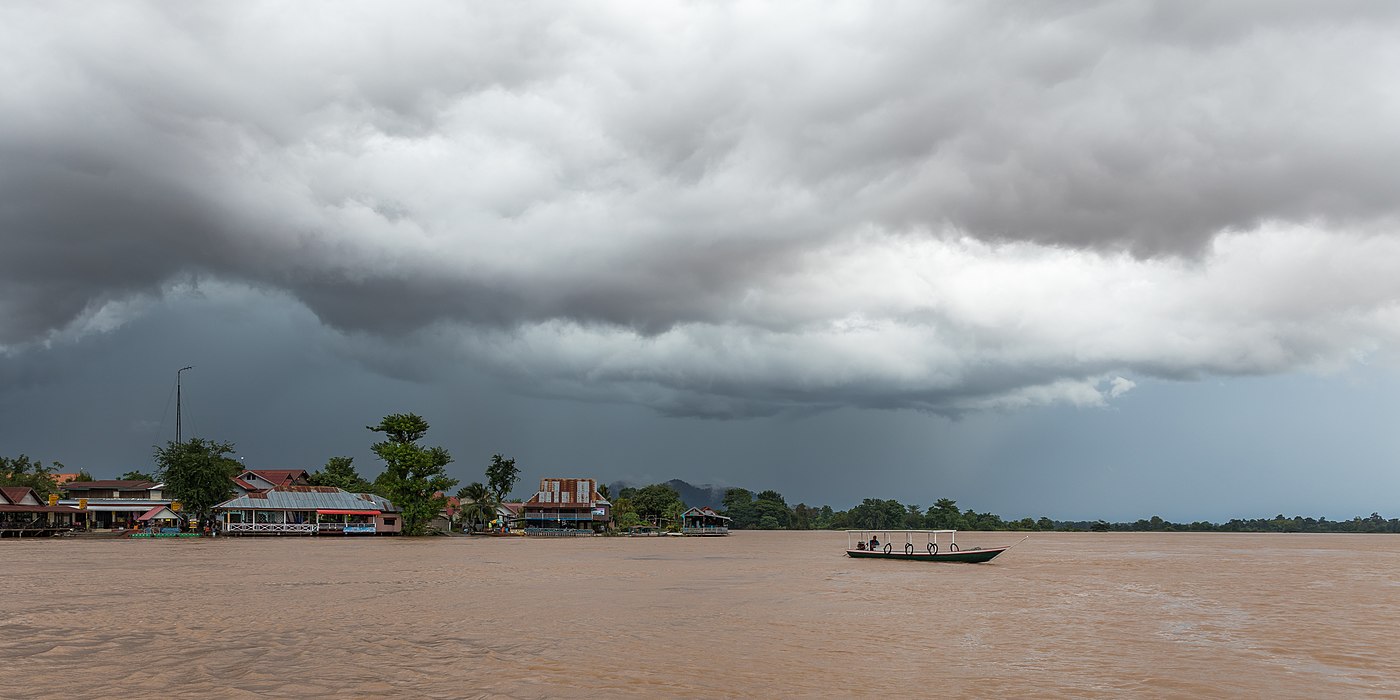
[[307, 510], [704, 522]]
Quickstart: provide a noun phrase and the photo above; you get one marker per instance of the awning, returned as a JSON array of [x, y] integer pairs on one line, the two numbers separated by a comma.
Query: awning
[[347, 512]]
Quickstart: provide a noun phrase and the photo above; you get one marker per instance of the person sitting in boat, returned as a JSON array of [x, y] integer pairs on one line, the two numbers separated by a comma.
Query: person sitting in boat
[[874, 543], [861, 545]]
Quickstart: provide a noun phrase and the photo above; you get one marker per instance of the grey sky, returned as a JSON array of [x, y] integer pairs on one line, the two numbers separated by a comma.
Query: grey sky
[[700, 219]]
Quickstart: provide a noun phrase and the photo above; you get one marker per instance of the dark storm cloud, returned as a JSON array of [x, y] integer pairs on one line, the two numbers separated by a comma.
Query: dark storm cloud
[[725, 209]]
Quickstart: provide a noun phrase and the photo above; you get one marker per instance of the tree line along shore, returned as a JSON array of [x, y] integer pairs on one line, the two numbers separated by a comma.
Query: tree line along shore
[[198, 473]]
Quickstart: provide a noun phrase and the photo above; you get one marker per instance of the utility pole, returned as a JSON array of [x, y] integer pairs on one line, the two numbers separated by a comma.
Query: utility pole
[[178, 437]]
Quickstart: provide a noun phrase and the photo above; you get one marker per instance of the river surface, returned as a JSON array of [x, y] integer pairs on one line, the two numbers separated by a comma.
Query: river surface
[[755, 614]]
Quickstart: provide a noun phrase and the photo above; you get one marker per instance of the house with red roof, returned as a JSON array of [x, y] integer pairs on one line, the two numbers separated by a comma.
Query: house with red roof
[[24, 514], [510, 514], [264, 479]]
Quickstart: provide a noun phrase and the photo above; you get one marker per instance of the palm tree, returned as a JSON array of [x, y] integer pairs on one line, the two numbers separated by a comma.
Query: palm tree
[[477, 505]]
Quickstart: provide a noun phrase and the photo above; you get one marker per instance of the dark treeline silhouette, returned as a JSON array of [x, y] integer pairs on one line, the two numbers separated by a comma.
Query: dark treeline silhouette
[[769, 510]]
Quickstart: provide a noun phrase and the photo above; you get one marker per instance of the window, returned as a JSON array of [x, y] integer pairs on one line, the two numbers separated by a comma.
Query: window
[[390, 521]]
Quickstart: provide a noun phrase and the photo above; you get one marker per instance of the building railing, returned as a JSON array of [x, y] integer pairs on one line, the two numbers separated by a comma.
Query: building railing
[[556, 532], [306, 528], [557, 515], [348, 527], [704, 530]]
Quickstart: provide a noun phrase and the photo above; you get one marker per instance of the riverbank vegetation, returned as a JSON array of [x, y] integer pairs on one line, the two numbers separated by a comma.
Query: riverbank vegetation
[[769, 510], [34, 474], [415, 479]]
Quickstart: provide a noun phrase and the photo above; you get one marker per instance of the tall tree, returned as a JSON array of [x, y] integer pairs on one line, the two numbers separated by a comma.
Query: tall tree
[[501, 476], [84, 475], [738, 505], [944, 515], [135, 475], [20, 471], [414, 476], [340, 473], [198, 473], [771, 511], [656, 502], [802, 517]]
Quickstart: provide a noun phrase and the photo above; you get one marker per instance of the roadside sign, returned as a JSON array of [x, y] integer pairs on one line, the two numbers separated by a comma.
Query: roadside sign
[[175, 506], [53, 499], [82, 504]]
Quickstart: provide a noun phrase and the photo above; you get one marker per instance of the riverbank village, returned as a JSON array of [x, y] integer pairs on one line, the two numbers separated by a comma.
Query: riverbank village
[[282, 502]]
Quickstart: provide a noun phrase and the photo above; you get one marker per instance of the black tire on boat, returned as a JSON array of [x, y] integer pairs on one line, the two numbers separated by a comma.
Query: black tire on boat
[[953, 547], [887, 548], [909, 549], [932, 548]]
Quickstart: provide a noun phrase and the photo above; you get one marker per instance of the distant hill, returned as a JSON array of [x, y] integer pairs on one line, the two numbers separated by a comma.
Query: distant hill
[[702, 495]]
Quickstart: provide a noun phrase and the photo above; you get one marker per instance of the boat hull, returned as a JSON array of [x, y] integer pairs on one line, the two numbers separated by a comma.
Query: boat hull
[[969, 556]]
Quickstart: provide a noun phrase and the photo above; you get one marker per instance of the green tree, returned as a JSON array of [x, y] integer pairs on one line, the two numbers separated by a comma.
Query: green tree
[[501, 476], [803, 517], [135, 475], [654, 502], [340, 472], [624, 513], [414, 476], [772, 511], [83, 475], [944, 515], [478, 506], [873, 514], [605, 492], [20, 471], [738, 505], [198, 473]]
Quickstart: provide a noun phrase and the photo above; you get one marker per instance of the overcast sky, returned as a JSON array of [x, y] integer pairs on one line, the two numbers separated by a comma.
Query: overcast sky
[[1067, 259]]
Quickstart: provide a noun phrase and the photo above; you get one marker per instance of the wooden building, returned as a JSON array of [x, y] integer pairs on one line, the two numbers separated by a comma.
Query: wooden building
[[566, 507], [24, 514], [307, 510], [113, 504], [704, 522]]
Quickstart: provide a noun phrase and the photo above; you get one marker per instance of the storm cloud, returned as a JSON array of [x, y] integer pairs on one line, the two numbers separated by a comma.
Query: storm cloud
[[725, 210]]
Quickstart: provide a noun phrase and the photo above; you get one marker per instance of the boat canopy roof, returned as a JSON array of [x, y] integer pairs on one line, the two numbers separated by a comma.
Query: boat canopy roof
[[886, 529]]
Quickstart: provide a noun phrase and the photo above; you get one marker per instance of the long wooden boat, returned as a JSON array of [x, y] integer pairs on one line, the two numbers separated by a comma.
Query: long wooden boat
[[917, 545]]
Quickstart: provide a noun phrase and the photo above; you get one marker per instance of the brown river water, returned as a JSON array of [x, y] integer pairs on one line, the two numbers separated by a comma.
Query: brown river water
[[755, 614]]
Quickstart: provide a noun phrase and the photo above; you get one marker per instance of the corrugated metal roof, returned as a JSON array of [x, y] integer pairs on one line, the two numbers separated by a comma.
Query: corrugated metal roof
[[379, 501], [304, 498], [119, 484]]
